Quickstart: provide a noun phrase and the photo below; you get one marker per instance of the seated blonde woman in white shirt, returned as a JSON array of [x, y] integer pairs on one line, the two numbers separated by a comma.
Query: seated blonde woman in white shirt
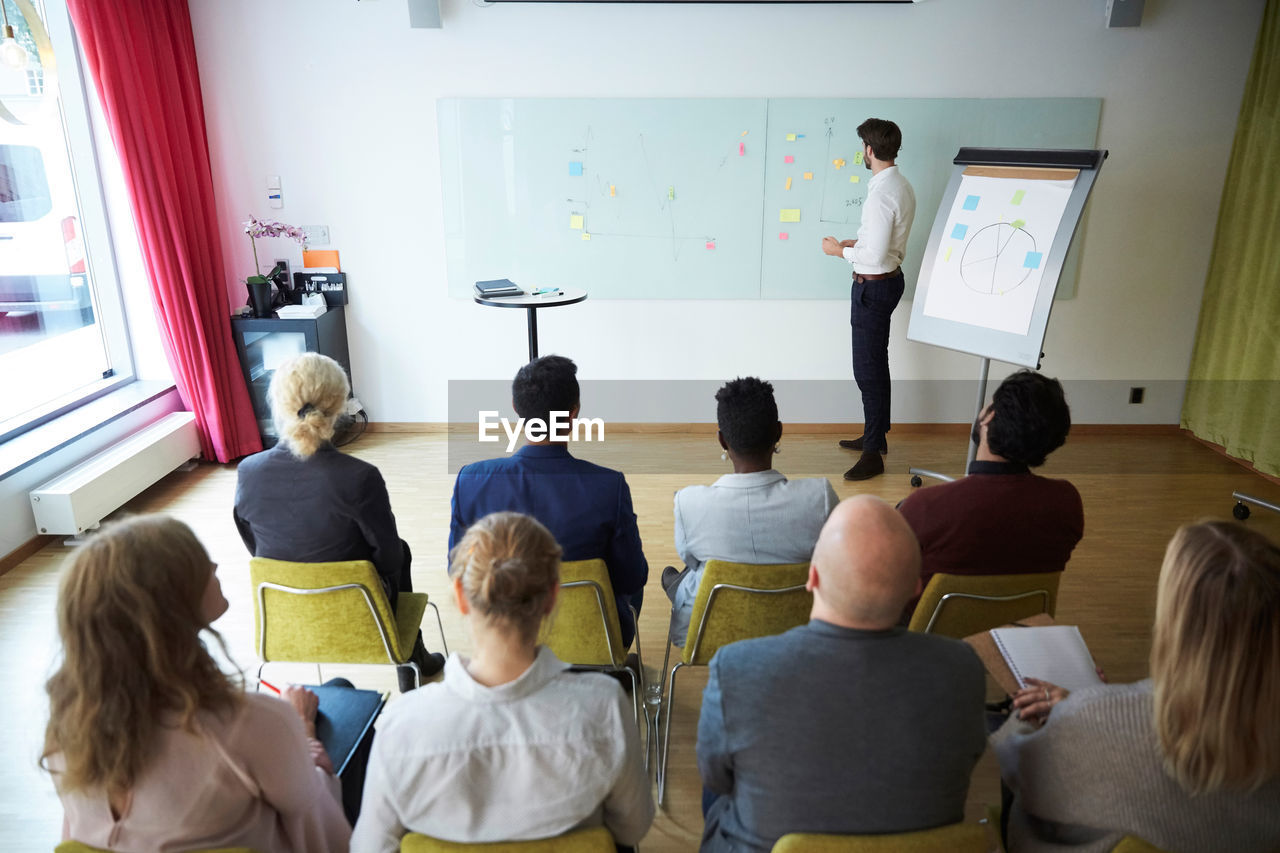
[[510, 746]]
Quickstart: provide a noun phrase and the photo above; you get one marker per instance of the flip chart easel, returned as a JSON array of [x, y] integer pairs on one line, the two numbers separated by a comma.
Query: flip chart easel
[[995, 256]]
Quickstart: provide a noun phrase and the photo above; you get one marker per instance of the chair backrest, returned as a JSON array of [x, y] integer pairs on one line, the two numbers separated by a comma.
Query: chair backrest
[[77, 847], [738, 601], [961, 605], [594, 840], [584, 629], [1134, 844], [956, 838], [322, 612]]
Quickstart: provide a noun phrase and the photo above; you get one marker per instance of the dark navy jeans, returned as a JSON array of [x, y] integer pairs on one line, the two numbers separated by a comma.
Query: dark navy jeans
[[871, 305]]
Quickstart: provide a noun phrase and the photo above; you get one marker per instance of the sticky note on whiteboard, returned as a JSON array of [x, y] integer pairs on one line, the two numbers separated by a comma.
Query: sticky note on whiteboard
[[1032, 261], [789, 214], [711, 244], [808, 176], [788, 183], [613, 191], [1018, 223], [1018, 196], [857, 158], [782, 235], [788, 159], [575, 221], [575, 169], [742, 149], [854, 179], [791, 137], [586, 235], [838, 163]]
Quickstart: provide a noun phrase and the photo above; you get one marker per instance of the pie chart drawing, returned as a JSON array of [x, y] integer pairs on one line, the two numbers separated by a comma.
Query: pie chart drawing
[[993, 260]]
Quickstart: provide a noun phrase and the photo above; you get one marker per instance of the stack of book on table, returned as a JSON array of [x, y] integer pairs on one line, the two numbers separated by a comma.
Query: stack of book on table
[[498, 287]]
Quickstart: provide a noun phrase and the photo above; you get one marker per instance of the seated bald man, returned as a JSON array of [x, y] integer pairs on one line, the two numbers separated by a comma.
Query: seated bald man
[[850, 724]]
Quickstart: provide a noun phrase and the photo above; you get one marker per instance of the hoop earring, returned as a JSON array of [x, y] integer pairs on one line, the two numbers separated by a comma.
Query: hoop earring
[[777, 448], [724, 456]]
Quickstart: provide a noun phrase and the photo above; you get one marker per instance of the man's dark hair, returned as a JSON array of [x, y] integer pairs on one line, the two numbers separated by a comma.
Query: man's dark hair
[[545, 385], [883, 136], [1031, 420], [747, 415]]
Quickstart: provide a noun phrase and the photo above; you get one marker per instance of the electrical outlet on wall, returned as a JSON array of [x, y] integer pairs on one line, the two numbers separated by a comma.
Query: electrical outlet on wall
[[288, 273], [317, 235]]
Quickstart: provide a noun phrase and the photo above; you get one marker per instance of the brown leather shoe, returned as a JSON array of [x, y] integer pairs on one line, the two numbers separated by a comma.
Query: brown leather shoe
[[869, 465], [856, 444]]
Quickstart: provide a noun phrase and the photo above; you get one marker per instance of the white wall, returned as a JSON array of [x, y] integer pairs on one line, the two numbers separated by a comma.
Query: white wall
[[338, 98]]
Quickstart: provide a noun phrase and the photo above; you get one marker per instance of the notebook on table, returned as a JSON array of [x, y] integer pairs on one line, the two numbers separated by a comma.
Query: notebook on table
[[498, 287]]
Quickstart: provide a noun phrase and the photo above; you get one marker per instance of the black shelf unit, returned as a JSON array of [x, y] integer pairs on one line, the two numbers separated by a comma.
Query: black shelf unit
[[262, 343]]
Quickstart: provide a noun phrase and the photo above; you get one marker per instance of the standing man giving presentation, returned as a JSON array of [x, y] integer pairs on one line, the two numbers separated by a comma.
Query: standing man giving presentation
[[876, 256]]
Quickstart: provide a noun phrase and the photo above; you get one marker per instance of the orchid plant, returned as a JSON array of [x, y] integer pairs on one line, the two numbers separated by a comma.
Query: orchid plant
[[255, 228]]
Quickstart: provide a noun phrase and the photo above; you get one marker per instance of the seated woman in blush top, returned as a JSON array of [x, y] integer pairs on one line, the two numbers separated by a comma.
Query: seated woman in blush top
[[151, 747], [511, 745], [754, 515], [1187, 760]]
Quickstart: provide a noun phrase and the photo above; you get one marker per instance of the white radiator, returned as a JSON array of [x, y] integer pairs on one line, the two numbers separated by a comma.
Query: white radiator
[[82, 497]]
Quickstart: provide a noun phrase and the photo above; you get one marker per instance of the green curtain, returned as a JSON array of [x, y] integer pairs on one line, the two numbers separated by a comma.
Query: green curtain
[[1233, 389]]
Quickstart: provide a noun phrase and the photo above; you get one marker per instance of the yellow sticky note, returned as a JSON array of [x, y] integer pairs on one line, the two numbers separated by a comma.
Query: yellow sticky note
[[1018, 223], [575, 222], [854, 179], [857, 158], [586, 235], [613, 191], [745, 132], [808, 176], [947, 256], [837, 162], [788, 183], [789, 215], [791, 137]]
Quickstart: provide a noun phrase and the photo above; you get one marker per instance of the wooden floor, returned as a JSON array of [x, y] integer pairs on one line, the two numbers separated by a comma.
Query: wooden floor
[[1136, 490]]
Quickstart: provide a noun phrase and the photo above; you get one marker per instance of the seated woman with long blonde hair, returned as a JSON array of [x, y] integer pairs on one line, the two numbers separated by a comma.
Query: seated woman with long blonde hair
[[1188, 760], [151, 746], [510, 746]]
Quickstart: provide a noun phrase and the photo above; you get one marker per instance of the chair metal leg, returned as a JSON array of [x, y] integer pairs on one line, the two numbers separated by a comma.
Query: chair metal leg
[[262, 665], [642, 696], [319, 675], [443, 642], [666, 732]]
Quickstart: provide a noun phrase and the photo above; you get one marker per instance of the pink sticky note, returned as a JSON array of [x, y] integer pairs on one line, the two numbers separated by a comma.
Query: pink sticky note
[[788, 159], [742, 149], [782, 235], [711, 244]]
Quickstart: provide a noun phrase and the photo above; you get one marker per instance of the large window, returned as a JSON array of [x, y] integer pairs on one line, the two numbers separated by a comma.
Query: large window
[[62, 333]]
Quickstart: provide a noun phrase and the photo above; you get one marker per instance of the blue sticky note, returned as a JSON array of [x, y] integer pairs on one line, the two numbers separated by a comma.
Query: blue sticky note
[[1033, 260], [575, 169], [971, 203], [959, 231]]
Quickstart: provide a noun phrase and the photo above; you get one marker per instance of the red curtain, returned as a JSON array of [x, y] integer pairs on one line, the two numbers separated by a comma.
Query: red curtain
[[142, 57]]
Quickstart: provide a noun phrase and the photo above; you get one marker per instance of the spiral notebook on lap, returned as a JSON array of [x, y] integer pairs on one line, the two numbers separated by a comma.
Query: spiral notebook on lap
[[1053, 653]]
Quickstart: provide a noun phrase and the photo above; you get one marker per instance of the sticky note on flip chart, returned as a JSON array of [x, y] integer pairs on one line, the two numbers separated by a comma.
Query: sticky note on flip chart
[[575, 168], [788, 183], [1032, 261], [575, 221], [959, 231], [788, 159], [1018, 223], [971, 202], [789, 215], [1018, 196], [947, 256]]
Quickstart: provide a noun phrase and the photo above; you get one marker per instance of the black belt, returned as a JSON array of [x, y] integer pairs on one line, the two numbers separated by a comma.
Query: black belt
[[875, 276]]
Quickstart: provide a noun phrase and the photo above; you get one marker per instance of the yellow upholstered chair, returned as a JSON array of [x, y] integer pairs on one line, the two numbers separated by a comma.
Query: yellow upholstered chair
[[332, 613], [585, 630], [77, 847], [1134, 844], [594, 840], [956, 838], [735, 601], [961, 605]]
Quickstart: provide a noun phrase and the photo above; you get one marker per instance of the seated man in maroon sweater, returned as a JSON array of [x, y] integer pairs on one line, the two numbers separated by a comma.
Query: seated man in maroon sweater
[[1001, 518]]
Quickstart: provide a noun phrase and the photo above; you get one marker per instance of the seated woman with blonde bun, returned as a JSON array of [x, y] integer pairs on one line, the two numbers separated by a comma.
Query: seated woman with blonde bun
[[305, 501], [151, 746], [1188, 760], [511, 745]]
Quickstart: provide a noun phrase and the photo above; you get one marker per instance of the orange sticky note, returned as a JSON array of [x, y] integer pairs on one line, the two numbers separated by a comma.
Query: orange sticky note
[[837, 163], [613, 191], [788, 183], [321, 258], [808, 176]]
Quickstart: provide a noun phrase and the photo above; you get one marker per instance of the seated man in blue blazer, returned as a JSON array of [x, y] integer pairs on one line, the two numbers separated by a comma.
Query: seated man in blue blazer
[[849, 725], [586, 507]]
